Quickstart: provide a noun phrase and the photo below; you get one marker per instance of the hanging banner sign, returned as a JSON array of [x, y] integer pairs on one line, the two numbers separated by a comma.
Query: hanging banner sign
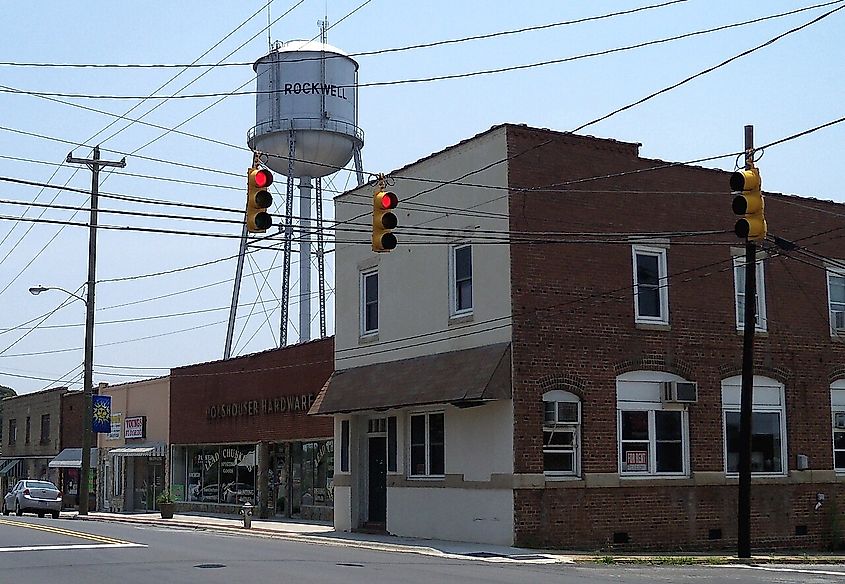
[[102, 414], [135, 427]]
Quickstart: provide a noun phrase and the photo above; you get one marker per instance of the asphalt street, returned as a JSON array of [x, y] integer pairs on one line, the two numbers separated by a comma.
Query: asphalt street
[[63, 551]]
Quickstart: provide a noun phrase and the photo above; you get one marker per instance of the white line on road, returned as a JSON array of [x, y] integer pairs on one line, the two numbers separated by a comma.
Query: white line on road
[[795, 570], [80, 546]]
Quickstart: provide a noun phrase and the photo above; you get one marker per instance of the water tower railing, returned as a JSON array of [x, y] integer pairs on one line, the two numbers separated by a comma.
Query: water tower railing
[[337, 126]]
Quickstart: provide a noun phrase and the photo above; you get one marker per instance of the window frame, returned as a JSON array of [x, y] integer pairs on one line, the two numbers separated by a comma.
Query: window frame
[[45, 435], [761, 323], [365, 274], [343, 451], [662, 284], [13, 431], [454, 309], [557, 397], [427, 443], [831, 273], [763, 386], [837, 406]]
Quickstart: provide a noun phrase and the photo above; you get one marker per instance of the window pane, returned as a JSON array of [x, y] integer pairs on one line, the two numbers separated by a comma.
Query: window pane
[[837, 289], [418, 459], [839, 459], [549, 412], [391, 444], [437, 459], [371, 288], [635, 457], [732, 440], [463, 300], [667, 425], [436, 446], [839, 440], [765, 442], [648, 301], [371, 317], [558, 437], [669, 457], [344, 445], [463, 263], [634, 425], [558, 462], [417, 430], [647, 270], [567, 412]]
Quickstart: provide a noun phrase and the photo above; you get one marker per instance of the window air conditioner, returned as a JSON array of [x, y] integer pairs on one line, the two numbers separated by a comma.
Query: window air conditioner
[[685, 392], [837, 317]]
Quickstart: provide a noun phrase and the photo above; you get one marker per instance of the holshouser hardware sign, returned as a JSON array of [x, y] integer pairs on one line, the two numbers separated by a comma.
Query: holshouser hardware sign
[[285, 404]]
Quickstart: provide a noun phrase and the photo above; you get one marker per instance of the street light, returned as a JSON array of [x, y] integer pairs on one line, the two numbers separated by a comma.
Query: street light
[[87, 409]]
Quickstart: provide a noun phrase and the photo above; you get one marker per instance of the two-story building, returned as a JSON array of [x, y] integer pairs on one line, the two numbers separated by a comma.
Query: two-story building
[[551, 354]]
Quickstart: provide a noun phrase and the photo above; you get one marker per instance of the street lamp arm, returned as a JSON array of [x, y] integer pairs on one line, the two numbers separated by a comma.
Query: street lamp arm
[[36, 290]]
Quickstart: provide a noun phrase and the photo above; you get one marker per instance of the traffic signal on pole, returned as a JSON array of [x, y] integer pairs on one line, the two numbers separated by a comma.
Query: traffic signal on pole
[[748, 201], [258, 220], [384, 221]]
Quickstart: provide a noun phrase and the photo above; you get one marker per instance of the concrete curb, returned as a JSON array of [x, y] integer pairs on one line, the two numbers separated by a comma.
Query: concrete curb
[[532, 556]]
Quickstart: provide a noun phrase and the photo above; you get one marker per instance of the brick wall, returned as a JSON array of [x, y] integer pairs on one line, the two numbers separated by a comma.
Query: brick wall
[[573, 328], [33, 406], [71, 421], [255, 385]]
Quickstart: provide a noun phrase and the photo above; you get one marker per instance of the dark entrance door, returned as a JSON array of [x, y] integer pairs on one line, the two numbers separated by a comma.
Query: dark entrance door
[[377, 496]]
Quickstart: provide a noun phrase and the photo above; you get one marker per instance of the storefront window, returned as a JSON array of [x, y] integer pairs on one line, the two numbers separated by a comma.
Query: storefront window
[[221, 474]]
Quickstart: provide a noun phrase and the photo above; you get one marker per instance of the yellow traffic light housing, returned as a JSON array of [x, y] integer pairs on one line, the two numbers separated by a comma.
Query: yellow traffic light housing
[[749, 203], [258, 200], [384, 220]]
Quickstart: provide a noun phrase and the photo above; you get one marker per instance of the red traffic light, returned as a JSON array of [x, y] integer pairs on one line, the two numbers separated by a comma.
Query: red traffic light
[[388, 200], [263, 178]]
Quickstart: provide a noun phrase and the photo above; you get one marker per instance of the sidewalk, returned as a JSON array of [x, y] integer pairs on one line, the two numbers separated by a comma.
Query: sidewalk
[[324, 534]]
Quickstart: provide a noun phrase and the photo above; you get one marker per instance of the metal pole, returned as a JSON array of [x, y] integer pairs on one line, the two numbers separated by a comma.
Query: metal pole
[[747, 395], [236, 292], [87, 390], [305, 259]]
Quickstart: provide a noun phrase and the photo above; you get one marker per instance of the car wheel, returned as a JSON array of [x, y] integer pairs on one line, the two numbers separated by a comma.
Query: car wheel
[[18, 510], [41, 515], [55, 514]]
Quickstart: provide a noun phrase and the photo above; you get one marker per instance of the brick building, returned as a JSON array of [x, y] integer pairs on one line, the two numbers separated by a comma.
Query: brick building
[[551, 355], [32, 436], [235, 421]]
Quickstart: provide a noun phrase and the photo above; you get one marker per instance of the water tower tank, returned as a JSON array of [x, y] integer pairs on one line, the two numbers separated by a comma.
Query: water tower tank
[[311, 88]]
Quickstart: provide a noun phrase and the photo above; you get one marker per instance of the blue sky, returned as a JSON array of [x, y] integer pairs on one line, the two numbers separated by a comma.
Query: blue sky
[[146, 325]]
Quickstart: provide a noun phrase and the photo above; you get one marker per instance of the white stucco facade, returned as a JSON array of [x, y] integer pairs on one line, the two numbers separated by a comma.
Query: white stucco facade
[[472, 499]]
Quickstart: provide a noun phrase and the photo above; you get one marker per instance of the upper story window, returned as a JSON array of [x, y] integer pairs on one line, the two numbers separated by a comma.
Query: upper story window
[[653, 431], [739, 288], [651, 296], [428, 451], [461, 280], [28, 428], [561, 433], [369, 302], [13, 431], [768, 425], [836, 300], [45, 428]]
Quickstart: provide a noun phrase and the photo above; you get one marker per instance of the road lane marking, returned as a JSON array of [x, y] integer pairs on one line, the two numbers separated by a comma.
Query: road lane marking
[[78, 546], [793, 570], [61, 531]]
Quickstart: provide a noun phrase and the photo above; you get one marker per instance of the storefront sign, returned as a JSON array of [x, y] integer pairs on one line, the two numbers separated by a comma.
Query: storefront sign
[[116, 425], [287, 404], [135, 427]]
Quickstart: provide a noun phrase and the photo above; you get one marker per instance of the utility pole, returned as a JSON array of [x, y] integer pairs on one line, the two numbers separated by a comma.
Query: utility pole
[[747, 391], [87, 391]]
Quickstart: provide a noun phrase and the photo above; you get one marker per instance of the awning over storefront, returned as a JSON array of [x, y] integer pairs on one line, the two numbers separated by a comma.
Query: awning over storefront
[[8, 465], [139, 450], [72, 458], [461, 378]]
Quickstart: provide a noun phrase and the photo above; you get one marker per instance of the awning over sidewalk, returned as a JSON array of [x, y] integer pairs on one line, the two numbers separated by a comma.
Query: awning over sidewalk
[[72, 458], [157, 449], [460, 378], [8, 465]]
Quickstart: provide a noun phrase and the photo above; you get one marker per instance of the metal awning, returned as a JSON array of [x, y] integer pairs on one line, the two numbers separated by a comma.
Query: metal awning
[[72, 458], [462, 378], [8, 465], [139, 450]]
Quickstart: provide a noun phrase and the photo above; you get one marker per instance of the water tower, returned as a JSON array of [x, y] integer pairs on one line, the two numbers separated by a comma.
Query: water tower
[[306, 127]]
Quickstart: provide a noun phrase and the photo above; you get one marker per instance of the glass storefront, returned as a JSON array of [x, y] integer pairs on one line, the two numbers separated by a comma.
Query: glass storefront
[[219, 474], [300, 479]]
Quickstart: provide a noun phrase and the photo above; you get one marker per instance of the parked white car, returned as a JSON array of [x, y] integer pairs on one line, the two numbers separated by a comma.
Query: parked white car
[[39, 497]]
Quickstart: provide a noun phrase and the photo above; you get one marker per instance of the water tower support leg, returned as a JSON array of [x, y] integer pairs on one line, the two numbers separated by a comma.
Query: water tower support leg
[[321, 264], [359, 169], [283, 336]]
